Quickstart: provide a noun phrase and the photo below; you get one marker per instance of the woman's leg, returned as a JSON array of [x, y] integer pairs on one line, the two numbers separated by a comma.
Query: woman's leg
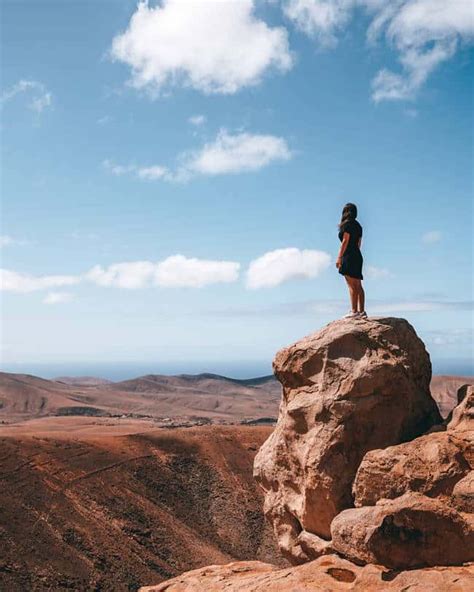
[[360, 297], [353, 293]]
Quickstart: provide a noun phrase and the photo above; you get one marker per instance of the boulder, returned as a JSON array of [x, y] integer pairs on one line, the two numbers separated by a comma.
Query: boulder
[[431, 465], [327, 574], [410, 531], [354, 386]]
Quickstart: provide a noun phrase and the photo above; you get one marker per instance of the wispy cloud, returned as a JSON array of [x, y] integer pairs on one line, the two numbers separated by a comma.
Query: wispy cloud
[[197, 120], [424, 33], [226, 154], [104, 120], [131, 275], [40, 97], [319, 19], [118, 169], [152, 173], [7, 241], [13, 281], [337, 307], [168, 45], [433, 236], [377, 273], [279, 266], [58, 297], [447, 337]]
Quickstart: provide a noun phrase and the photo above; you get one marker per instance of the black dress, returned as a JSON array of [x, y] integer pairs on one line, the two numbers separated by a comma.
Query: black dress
[[351, 263]]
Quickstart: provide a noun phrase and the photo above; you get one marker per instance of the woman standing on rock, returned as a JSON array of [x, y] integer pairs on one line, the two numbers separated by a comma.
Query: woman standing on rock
[[349, 261]]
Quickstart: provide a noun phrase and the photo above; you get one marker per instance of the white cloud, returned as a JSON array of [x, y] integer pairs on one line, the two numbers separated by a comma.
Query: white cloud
[[180, 271], [152, 173], [117, 169], [57, 297], [418, 65], [131, 275], [172, 272], [433, 236], [12, 281], [41, 97], [377, 273], [149, 173], [213, 47], [197, 120], [227, 154], [320, 19], [275, 267], [424, 33], [237, 153]]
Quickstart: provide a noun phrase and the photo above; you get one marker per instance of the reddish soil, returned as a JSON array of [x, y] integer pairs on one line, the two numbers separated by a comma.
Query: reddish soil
[[94, 496], [111, 513]]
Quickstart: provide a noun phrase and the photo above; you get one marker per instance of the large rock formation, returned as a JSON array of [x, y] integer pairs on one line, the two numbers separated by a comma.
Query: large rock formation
[[352, 387], [365, 488]]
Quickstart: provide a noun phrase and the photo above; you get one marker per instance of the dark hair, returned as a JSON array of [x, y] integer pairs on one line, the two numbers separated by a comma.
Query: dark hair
[[349, 213]]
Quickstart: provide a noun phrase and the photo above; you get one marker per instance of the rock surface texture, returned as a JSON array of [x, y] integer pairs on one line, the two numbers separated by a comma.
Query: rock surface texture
[[327, 574], [365, 487], [415, 500], [350, 388]]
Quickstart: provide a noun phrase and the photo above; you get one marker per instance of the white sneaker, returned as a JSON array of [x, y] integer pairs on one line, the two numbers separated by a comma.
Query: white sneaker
[[362, 315], [351, 315]]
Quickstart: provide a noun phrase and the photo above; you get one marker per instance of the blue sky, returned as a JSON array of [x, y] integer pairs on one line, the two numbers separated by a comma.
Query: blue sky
[[173, 176]]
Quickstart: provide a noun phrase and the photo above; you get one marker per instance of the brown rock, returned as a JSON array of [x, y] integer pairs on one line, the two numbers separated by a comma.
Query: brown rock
[[463, 494], [430, 465], [326, 574], [354, 386], [411, 531]]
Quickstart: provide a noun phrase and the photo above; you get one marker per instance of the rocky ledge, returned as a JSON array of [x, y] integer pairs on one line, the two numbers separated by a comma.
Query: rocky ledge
[[362, 480]]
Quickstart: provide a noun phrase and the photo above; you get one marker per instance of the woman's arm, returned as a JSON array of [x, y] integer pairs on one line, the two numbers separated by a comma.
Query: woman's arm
[[342, 250], [360, 242]]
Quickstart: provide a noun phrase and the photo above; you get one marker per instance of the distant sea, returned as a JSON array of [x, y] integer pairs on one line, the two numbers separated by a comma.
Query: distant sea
[[243, 369]]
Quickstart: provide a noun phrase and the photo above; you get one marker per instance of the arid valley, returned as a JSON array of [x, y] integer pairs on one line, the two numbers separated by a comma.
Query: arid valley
[[112, 486]]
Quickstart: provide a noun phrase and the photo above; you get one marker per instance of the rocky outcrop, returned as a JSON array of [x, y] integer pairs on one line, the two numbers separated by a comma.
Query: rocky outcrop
[[364, 485], [430, 465], [415, 500], [433, 464], [410, 531], [327, 574], [350, 388]]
